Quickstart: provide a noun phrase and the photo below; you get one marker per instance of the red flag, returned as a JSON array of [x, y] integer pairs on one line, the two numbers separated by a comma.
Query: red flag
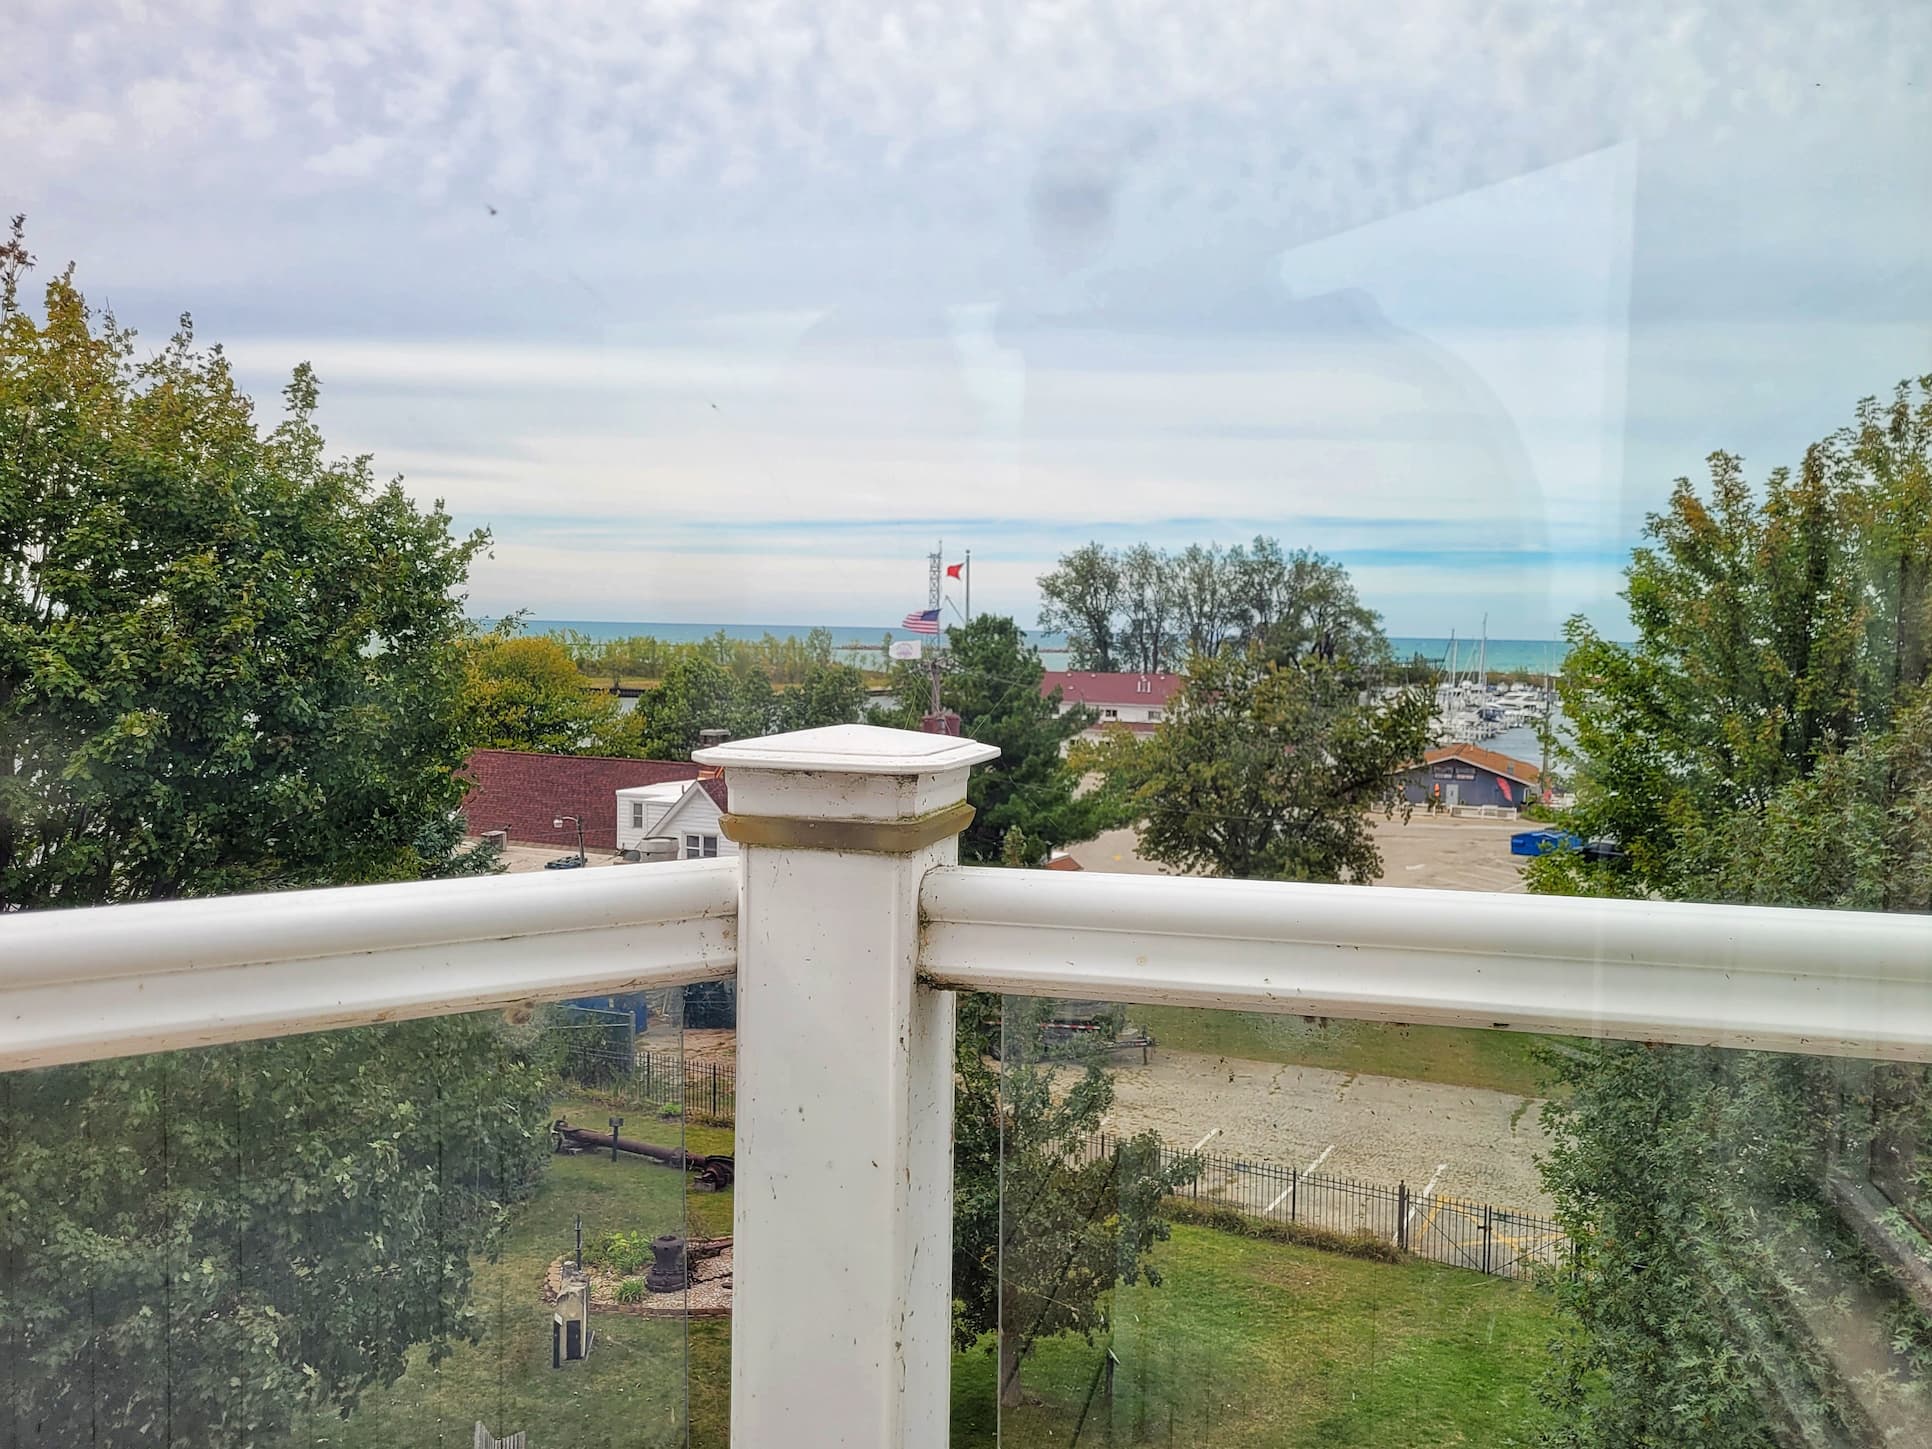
[[1503, 785], [952, 570]]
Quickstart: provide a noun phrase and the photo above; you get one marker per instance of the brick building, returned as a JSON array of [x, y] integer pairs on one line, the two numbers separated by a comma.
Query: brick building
[[520, 794]]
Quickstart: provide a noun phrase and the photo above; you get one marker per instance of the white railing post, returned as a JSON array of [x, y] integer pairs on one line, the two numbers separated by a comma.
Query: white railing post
[[842, 1251]]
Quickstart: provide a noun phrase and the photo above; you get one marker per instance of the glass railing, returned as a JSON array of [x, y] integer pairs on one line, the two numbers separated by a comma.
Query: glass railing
[[1245, 1230], [490, 1228]]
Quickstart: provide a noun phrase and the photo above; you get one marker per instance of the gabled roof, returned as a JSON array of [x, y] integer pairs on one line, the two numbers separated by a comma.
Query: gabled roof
[[666, 822], [1081, 686], [521, 792], [1497, 764]]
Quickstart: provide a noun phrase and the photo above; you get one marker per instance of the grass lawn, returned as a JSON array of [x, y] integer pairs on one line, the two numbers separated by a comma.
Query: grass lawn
[[1246, 1343], [1502, 1061], [1259, 1344], [629, 1393]]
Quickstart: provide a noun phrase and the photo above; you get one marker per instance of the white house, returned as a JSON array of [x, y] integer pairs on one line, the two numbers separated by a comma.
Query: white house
[[685, 811], [1136, 701]]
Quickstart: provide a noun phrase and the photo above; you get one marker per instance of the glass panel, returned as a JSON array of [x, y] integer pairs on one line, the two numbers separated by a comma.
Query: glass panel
[[391, 1236], [1627, 1245]]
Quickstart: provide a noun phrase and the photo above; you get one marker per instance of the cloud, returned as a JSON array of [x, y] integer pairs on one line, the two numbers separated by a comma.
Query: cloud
[[661, 291]]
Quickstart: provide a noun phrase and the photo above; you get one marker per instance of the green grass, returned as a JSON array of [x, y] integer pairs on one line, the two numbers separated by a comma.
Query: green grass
[[629, 1393], [1246, 1343], [1250, 1344], [1501, 1061]]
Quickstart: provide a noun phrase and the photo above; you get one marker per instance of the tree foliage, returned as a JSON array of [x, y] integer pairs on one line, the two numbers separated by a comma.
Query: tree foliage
[[197, 1246], [526, 693], [1262, 771], [226, 663], [697, 693], [1045, 1219], [1146, 609], [1767, 739], [641, 657], [1028, 801]]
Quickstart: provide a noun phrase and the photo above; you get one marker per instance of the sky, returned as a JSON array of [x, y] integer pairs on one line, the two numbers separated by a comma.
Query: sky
[[726, 312]]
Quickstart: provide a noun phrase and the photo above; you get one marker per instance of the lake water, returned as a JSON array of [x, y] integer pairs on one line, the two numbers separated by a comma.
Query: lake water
[[1537, 655]]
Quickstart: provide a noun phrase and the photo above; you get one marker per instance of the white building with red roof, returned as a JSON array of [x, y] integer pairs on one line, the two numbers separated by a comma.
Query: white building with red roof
[[1136, 702]]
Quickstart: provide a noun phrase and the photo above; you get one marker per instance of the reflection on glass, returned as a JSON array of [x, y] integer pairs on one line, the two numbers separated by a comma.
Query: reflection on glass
[[434, 1231], [1639, 1246]]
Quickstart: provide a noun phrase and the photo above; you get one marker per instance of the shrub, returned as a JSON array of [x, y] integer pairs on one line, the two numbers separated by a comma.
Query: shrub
[[619, 1252], [631, 1290], [1228, 1220]]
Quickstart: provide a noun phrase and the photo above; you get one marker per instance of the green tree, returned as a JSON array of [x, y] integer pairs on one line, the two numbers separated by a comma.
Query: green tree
[[1267, 772], [992, 679], [526, 693], [1045, 1221], [226, 663], [695, 694], [199, 1245], [826, 694], [1767, 739], [1079, 598]]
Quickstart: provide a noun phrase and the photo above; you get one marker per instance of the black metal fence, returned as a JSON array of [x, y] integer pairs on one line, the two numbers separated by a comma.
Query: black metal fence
[[1456, 1231], [704, 1091]]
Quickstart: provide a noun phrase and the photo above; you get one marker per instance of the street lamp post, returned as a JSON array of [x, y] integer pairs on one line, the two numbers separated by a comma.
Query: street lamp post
[[558, 824]]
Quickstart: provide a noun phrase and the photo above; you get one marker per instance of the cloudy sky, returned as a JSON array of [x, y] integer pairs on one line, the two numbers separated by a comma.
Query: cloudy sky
[[725, 311]]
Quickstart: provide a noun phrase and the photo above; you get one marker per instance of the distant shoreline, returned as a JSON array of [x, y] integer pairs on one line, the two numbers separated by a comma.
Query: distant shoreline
[[1503, 655]]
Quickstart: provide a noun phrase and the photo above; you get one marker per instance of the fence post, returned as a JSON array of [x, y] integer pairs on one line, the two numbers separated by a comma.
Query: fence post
[[1294, 1183], [1488, 1233], [836, 828], [1402, 1216]]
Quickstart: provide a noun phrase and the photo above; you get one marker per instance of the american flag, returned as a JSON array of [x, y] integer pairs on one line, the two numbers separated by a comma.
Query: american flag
[[926, 621]]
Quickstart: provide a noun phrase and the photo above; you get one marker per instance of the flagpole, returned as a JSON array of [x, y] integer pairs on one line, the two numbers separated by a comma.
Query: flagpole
[[968, 571]]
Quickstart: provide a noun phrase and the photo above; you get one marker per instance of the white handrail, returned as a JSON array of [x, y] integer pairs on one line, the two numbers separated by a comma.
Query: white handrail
[[117, 980], [1831, 982]]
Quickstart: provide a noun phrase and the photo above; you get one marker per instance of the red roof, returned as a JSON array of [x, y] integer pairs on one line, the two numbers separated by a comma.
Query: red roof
[[1490, 760], [520, 793], [1079, 686]]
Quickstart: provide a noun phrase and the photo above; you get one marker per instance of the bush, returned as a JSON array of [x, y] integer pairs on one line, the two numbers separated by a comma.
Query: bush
[[1228, 1220], [619, 1252], [631, 1290]]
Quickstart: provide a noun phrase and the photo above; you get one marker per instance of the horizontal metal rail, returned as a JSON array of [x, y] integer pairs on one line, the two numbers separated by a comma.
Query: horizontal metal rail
[[1824, 982], [76, 985]]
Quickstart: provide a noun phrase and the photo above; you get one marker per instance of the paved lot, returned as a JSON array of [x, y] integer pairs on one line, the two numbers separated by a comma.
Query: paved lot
[[1437, 852], [1431, 852], [1460, 1142], [520, 859]]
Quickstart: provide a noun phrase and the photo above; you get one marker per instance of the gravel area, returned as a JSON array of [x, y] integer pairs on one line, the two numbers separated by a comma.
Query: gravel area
[[1469, 1142], [709, 1295]]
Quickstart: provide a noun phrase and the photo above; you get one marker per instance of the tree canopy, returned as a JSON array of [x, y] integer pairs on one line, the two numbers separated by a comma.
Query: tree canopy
[[526, 693], [227, 663], [1046, 1217], [1028, 801], [698, 693], [1263, 771], [1767, 739], [1146, 609]]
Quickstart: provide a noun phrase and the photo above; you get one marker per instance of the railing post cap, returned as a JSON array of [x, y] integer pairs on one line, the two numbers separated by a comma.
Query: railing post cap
[[853, 749]]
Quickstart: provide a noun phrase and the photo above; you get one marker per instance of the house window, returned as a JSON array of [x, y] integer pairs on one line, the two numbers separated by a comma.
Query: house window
[[1144, 686], [637, 814], [700, 847], [1154, 715], [1110, 714]]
